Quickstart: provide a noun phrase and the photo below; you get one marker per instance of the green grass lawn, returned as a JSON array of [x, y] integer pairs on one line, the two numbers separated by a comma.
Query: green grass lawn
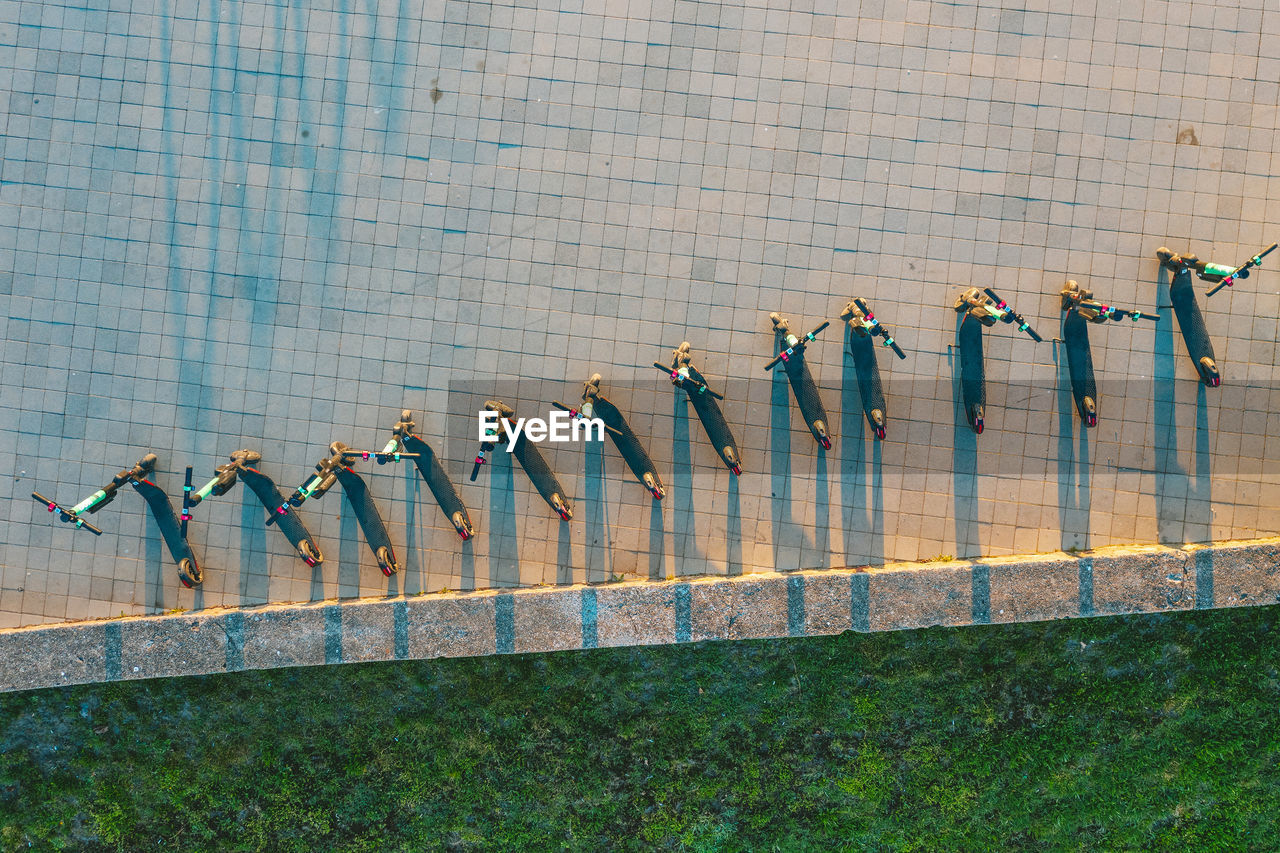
[[1158, 732]]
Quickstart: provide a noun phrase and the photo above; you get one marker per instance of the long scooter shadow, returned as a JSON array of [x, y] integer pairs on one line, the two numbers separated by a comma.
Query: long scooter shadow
[[411, 569], [822, 514], [964, 464], [595, 518], [786, 544], [1199, 517], [1073, 464], [860, 526], [350, 547], [1171, 478], [254, 585], [504, 535], [156, 552], [467, 567], [684, 538], [564, 555], [733, 530], [657, 542]]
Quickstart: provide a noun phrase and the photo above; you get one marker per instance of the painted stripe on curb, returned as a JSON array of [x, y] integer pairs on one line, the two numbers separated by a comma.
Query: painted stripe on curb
[[333, 634], [590, 636], [400, 618], [795, 605], [1086, 586], [684, 613], [113, 647], [235, 641], [504, 617], [980, 580], [1204, 579], [860, 602]]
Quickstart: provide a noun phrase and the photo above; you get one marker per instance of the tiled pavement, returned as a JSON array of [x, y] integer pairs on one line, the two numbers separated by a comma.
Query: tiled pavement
[[254, 225]]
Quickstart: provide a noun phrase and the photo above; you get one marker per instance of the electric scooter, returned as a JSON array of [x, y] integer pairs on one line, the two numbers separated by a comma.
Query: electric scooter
[[405, 442], [337, 469], [980, 308], [172, 529], [1081, 310], [801, 380], [529, 457], [865, 329], [241, 468], [684, 375], [1182, 294], [596, 405]]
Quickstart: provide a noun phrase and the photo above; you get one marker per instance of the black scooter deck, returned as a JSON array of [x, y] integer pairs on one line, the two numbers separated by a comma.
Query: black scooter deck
[[973, 372], [1075, 336], [806, 393], [189, 571], [628, 444], [717, 428], [289, 523], [1182, 294], [863, 350], [543, 478], [442, 488], [375, 529]]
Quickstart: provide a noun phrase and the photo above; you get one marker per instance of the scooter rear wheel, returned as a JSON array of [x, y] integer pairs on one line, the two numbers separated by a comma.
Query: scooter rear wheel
[[189, 573], [309, 553], [1209, 372], [385, 561]]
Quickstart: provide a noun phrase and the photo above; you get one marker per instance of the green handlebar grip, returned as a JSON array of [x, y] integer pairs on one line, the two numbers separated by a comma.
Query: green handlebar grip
[[206, 490], [88, 502], [309, 487]]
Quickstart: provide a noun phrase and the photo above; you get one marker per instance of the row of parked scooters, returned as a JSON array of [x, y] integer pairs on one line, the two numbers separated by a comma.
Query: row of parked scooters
[[977, 309]]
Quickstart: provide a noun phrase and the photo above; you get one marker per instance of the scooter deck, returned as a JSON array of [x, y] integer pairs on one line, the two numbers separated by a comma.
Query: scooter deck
[[627, 442], [540, 473], [1182, 293], [170, 526], [1075, 334], [442, 488], [289, 523], [375, 530], [806, 393], [973, 371], [863, 350], [717, 428]]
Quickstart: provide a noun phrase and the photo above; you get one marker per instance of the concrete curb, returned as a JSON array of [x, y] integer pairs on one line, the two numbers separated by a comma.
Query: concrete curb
[[1141, 579]]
